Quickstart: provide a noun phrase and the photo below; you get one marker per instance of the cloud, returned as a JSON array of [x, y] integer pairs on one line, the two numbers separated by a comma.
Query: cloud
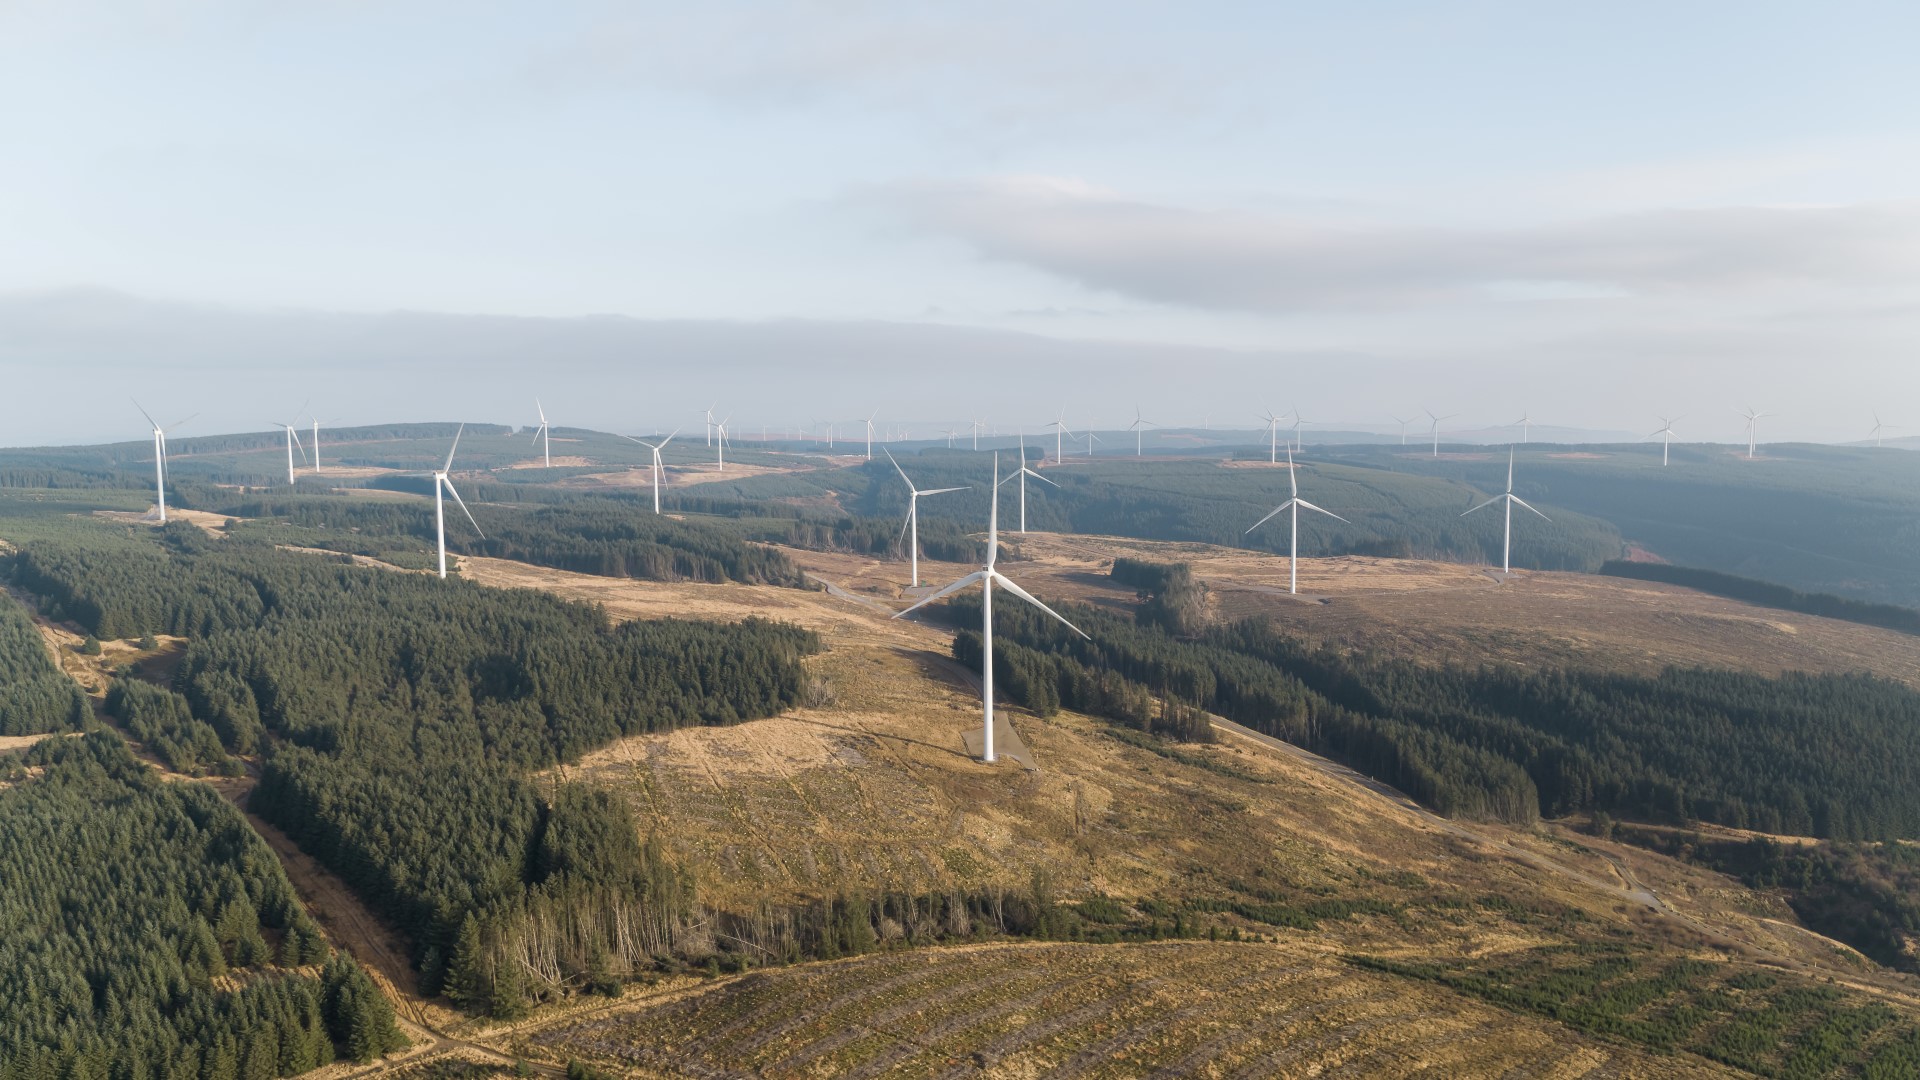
[[1235, 260]]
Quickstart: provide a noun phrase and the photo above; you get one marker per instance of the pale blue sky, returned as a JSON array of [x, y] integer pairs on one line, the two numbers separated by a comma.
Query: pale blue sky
[[1589, 211]]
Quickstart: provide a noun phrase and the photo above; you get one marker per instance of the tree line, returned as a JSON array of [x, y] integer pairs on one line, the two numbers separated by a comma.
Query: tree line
[[1768, 594], [150, 933], [39, 697]]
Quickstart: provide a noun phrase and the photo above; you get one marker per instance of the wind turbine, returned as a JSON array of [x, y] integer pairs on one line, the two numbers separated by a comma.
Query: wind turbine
[[1666, 429], [442, 480], [1436, 429], [720, 443], [1273, 437], [1403, 428], [1140, 425], [1298, 420], [1091, 439], [977, 425], [986, 576], [544, 433], [293, 440], [657, 467], [1525, 424], [1060, 433], [1752, 419], [1878, 427], [913, 515], [160, 458], [710, 424], [1506, 545], [316, 441], [1294, 503], [870, 417], [951, 432], [1024, 473]]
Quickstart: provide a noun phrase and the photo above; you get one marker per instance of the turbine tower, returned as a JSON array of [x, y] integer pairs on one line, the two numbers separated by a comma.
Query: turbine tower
[[160, 458], [543, 434], [1403, 428], [870, 417], [316, 441], [1506, 545], [658, 468], [1294, 503], [442, 481], [710, 423], [912, 524], [1024, 473], [1525, 424], [986, 576], [1753, 418], [1666, 443], [1436, 429], [720, 444], [1139, 426]]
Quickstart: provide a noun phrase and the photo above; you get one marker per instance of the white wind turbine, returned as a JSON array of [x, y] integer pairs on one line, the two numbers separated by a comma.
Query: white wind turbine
[[442, 481], [1024, 473], [951, 432], [658, 468], [160, 459], [1403, 428], [1294, 503], [1139, 428], [720, 443], [912, 524], [1091, 439], [1298, 420], [1273, 437], [316, 441], [710, 424], [1753, 418], [1506, 545], [1060, 433], [1525, 424], [293, 440], [977, 425], [1666, 443], [986, 576], [1878, 427], [870, 417], [1436, 429], [543, 434]]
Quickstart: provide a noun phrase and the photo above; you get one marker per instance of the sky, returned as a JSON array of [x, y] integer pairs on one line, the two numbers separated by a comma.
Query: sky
[[1593, 214]]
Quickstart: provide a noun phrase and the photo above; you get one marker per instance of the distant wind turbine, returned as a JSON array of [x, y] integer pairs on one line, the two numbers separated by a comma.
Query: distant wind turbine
[[1060, 432], [870, 417], [1525, 424], [1298, 420], [160, 458], [1666, 444], [658, 468], [720, 444], [1091, 439], [316, 441], [1294, 503], [912, 524], [1023, 474], [441, 480], [1753, 419], [1273, 437], [543, 434], [951, 432], [710, 424], [1878, 427], [1139, 426], [977, 425], [1403, 428], [986, 576], [1506, 545], [293, 440], [1436, 429]]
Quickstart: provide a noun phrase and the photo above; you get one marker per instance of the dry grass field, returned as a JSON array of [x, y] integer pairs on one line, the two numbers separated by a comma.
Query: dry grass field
[[1196, 1009]]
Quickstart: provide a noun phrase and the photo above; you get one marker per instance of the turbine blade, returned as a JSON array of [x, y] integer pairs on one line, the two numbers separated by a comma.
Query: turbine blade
[[451, 490], [1486, 504], [296, 442], [1038, 477], [1329, 513], [1269, 517], [1007, 584], [668, 439], [897, 468], [1523, 502], [977, 575], [145, 413], [905, 521], [940, 491], [456, 445], [178, 423]]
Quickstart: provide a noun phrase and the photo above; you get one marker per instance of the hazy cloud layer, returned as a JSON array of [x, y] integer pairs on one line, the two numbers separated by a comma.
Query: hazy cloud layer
[[1267, 263]]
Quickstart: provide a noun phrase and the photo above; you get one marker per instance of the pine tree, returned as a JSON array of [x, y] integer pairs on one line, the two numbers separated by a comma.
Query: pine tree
[[467, 983]]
